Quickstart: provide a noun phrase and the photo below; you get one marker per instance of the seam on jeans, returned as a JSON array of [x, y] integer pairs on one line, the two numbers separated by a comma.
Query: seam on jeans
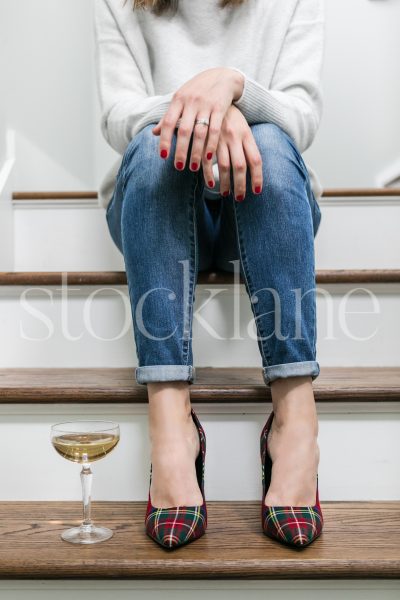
[[249, 286], [121, 176], [308, 194], [310, 199], [123, 172], [314, 316], [127, 156], [121, 181], [188, 324]]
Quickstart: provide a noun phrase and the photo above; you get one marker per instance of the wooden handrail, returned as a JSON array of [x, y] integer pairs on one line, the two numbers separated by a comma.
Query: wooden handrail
[[105, 278]]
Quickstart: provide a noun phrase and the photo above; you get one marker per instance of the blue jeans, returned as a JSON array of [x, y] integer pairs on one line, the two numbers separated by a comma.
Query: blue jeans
[[168, 226]]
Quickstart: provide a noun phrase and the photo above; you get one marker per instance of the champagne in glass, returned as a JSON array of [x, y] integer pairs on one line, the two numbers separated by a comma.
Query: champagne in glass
[[84, 442]]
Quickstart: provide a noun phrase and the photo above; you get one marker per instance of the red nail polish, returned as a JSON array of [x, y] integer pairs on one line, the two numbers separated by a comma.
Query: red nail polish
[[164, 153], [258, 189], [194, 166], [225, 194], [211, 184], [179, 165], [240, 198], [209, 155]]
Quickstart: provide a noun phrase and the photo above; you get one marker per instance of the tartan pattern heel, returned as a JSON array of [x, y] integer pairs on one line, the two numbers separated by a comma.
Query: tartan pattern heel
[[295, 526], [179, 525]]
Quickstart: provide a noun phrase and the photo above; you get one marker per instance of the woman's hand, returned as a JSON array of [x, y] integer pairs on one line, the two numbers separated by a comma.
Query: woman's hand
[[208, 95], [237, 149]]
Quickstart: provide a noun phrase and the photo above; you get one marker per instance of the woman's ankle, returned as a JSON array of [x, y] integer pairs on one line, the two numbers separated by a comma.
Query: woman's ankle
[[169, 402], [170, 413], [294, 404]]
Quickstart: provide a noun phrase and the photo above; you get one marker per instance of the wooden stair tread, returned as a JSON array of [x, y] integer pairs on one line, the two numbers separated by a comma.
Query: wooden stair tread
[[49, 195], [359, 540], [327, 193], [99, 385], [212, 277]]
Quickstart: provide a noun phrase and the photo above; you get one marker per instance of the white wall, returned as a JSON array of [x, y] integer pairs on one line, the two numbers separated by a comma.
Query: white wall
[[359, 134], [3, 118], [49, 82], [7, 164], [2, 132], [52, 98]]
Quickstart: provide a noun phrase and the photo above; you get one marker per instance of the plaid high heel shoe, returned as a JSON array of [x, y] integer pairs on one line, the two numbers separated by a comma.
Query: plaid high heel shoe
[[292, 525], [179, 525]]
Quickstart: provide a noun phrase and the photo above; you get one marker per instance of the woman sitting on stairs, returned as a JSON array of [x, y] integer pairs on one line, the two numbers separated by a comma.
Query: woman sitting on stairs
[[210, 104]]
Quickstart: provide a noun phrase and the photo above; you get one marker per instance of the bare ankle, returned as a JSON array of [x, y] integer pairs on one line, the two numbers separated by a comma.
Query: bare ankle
[[175, 393], [169, 402], [294, 404], [170, 420]]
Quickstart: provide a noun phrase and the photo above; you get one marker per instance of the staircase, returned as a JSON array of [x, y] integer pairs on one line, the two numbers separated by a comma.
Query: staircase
[[54, 368]]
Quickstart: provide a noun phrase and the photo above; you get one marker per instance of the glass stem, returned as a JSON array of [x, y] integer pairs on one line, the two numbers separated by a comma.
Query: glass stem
[[86, 481]]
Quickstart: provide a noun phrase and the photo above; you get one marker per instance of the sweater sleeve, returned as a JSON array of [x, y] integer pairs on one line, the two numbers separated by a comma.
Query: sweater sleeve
[[125, 105], [293, 101]]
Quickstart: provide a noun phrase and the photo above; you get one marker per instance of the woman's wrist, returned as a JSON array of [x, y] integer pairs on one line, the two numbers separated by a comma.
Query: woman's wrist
[[237, 84]]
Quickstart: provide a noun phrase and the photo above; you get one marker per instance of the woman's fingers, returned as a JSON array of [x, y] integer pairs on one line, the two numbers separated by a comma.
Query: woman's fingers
[[224, 168], [239, 168], [199, 139], [227, 135], [208, 144], [187, 111], [214, 131], [208, 172], [184, 135], [166, 127], [254, 162], [210, 91], [203, 135], [157, 129]]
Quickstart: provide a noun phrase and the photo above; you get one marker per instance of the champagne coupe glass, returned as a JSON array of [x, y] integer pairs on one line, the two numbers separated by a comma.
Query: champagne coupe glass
[[84, 442]]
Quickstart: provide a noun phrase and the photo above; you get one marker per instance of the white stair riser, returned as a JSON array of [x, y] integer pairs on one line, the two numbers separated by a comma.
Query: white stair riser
[[196, 590], [91, 327], [360, 453], [77, 238]]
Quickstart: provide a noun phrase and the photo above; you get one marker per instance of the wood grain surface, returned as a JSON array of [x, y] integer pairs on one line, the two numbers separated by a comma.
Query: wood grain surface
[[99, 385], [360, 192], [328, 193], [54, 195], [359, 540]]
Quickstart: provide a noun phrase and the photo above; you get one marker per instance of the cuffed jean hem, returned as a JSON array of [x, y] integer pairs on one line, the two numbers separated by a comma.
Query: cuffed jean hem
[[296, 369], [156, 373]]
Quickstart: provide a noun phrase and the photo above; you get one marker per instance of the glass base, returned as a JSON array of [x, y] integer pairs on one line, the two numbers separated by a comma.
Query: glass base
[[87, 534]]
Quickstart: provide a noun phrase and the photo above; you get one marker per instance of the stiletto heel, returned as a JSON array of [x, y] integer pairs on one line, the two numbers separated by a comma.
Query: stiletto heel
[[291, 525], [179, 525]]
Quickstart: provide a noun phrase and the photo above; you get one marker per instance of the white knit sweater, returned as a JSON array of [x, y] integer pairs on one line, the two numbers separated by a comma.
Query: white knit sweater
[[141, 59]]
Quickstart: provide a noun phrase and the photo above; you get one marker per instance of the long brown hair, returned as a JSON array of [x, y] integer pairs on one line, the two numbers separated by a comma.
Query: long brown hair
[[160, 6]]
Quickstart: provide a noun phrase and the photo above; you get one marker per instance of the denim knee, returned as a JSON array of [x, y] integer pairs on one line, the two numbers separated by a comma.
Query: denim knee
[[282, 162], [270, 135], [141, 158], [279, 153]]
